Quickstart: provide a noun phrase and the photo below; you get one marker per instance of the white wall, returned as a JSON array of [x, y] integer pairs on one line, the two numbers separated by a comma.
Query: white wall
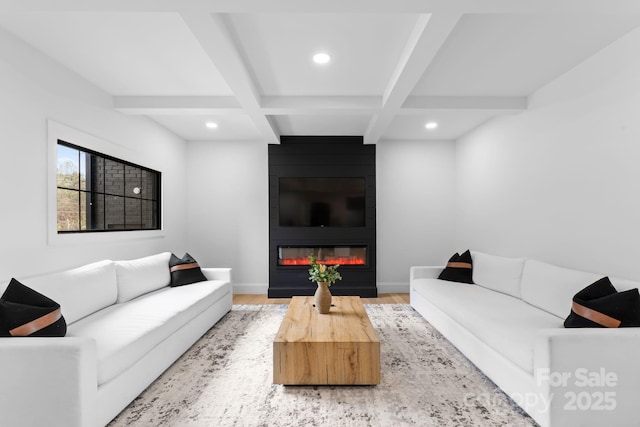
[[34, 90], [415, 208], [228, 204], [561, 181], [228, 208]]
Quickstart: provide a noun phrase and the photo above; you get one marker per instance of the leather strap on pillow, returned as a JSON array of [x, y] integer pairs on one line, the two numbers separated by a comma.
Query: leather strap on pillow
[[595, 316], [459, 265], [184, 267], [36, 324]]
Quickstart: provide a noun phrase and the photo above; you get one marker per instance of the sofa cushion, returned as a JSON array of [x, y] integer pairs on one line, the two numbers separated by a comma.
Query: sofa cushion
[[498, 273], [552, 288], [25, 312], [185, 270], [502, 322], [142, 275], [600, 305], [459, 268], [124, 333], [79, 291]]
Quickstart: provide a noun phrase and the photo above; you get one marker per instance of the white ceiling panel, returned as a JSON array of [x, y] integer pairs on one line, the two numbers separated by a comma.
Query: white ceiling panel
[[452, 124], [193, 127], [352, 125], [514, 55], [364, 50], [123, 53]]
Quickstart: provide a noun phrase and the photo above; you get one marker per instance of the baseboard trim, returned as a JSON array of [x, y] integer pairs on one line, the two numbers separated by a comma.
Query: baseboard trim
[[251, 288], [393, 288]]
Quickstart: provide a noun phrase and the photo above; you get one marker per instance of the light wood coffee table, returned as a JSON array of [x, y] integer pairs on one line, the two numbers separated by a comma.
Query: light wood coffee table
[[338, 348]]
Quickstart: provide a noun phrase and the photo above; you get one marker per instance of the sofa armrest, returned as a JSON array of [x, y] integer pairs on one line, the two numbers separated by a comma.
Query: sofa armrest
[[591, 374], [48, 381], [424, 272], [217, 273]]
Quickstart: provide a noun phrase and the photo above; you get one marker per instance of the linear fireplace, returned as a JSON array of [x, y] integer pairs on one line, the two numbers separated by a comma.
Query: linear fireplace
[[330, 255], [322, 201]]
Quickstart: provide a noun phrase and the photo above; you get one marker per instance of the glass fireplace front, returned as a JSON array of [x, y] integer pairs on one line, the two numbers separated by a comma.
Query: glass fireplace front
[[330, 255]]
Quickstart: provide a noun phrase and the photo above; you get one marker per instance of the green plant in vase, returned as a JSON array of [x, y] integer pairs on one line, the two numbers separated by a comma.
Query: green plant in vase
[[321, 273], [325, 276]]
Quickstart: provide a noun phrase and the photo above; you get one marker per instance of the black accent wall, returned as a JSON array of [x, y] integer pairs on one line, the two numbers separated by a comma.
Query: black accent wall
[[331, 157]]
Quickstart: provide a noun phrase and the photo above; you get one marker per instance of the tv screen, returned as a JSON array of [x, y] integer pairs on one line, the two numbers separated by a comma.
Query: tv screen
[[322, 202]]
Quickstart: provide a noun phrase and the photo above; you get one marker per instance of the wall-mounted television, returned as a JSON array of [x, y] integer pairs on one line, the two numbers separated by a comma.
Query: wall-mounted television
[[322, 202]]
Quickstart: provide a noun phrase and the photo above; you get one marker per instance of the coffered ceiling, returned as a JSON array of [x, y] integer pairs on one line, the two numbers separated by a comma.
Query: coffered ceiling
[[247, 65]]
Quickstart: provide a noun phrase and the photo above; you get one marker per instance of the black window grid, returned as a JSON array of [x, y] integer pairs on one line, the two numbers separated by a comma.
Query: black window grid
[[92, 196]]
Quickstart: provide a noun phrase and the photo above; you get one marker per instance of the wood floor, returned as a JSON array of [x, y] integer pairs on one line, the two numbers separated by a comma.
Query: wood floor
[[262, 299]]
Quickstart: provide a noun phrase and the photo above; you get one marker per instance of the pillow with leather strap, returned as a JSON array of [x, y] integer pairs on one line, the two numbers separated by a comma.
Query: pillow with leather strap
[[185, 270], [459, 268], [599, 305], [25, 312]]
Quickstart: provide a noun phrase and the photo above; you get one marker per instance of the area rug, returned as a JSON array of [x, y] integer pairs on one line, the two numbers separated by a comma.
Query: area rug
[[225, 379]]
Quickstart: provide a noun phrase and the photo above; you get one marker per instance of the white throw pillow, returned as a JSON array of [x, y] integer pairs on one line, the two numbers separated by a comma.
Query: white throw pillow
[[552, 288], [80, 291], [143, 275], [498, 273]]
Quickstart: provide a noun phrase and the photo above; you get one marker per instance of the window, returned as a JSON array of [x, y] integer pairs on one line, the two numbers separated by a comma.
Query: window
[[96, 192]]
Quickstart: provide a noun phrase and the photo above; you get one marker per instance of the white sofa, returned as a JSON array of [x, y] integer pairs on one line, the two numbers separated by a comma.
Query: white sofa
[[125, 327], [509, 323]]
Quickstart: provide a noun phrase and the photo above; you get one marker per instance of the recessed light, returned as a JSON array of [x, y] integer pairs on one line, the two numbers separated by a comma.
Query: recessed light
[[321, 58], [431, 125], [211, 125]]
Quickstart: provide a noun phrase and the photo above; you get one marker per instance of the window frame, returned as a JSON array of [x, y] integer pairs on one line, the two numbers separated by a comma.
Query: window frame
[[105, 193], [57, 131]]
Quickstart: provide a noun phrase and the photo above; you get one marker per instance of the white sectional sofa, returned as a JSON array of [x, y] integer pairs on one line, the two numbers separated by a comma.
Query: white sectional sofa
[[509, 323], [125, 327]]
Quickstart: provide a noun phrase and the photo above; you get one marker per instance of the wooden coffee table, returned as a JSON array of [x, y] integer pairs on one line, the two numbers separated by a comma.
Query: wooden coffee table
[[338, 348]]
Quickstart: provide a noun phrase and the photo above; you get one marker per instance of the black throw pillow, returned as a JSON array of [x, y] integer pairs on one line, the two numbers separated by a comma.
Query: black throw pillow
[[459, 268], [599, 305], [185, 271], [25, 312]]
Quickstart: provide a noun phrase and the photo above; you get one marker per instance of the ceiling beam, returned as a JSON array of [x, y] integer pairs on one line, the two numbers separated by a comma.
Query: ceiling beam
[[213, 35], [177, 105], [418, 104], [427, 37], [321, 105], [326, 6], [309, 105]]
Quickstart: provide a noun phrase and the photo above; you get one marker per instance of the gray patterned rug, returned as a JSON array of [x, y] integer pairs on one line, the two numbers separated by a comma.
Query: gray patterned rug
[[225, 379]]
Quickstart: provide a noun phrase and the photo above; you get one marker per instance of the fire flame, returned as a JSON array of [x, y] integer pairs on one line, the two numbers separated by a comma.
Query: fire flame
[[342, 260]]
